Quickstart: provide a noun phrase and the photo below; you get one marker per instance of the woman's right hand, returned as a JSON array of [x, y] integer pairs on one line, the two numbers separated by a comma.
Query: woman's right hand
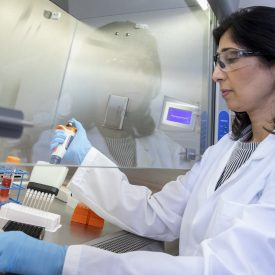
[[78, 148]]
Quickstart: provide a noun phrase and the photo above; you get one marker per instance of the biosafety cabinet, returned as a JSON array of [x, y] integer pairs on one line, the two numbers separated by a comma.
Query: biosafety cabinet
[[136, 75]]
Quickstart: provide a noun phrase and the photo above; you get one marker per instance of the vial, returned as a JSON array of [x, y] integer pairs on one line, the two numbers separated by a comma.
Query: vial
[[7, 179], [60, 150]]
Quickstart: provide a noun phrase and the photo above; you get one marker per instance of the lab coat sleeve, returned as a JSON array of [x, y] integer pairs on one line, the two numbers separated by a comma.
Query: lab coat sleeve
[[81, 259], [247, 246], [107, 191]]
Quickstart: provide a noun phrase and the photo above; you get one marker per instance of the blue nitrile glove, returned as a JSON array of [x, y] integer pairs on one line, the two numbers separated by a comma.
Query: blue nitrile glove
[[22, 254], [79, 146]]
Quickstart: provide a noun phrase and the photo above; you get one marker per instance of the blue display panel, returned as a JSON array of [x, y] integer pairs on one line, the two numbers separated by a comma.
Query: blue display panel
[[223, 124], [179, 115]]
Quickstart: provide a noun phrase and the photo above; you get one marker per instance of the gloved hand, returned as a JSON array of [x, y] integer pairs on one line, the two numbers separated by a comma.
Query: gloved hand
[[22, 254], [78, 148]]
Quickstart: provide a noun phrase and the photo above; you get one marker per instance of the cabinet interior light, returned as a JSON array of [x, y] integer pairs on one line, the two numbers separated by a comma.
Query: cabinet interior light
[[203, 4]]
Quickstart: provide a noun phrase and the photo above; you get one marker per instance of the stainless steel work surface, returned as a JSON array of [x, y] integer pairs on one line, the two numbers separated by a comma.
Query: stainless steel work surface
[[76, 233], [72, 233]]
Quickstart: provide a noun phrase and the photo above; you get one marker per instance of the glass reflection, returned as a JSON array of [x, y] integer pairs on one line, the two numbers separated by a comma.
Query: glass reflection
[[123, 62]]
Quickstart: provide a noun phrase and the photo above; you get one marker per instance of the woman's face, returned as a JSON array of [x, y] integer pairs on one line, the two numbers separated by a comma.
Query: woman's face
[[249, 88]]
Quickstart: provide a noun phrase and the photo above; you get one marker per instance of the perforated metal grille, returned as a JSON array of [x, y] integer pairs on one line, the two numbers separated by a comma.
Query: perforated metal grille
[[124, 243]]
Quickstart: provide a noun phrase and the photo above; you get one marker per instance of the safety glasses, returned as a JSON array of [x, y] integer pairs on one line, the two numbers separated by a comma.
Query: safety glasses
[[233, 59]]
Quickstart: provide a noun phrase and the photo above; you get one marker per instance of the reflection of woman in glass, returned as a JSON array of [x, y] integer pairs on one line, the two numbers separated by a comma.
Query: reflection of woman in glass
[[130, 68], [125, 63], [120, 59]]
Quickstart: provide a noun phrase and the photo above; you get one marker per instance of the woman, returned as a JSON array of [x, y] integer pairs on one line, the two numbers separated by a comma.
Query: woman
[[223, 210]]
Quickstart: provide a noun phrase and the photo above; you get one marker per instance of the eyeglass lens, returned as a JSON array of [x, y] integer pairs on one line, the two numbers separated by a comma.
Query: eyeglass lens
[[233, 59]]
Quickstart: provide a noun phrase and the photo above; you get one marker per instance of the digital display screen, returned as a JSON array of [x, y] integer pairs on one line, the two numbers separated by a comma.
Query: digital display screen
[[179, 115]]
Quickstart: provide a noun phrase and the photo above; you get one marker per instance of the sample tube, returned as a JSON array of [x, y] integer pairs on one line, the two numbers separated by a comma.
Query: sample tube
[[60, 150], [7, 179]]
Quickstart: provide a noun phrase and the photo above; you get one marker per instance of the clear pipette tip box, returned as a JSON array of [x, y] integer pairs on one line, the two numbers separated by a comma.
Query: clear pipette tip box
[[25, 214]]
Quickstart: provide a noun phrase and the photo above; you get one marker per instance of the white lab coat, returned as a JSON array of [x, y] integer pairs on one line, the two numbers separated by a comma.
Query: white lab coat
[[230, 231]]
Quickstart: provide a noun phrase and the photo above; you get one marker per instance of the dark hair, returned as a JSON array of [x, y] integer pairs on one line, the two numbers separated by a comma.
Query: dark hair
[[252, 28]]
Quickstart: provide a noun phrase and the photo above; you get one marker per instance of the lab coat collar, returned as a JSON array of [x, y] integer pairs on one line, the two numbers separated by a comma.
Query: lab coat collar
[[266, 147]]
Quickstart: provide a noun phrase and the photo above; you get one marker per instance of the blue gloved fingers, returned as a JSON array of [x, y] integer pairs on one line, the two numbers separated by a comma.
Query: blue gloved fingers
[[59, 134], [78, 125], [22, 254], [56, 142], [59, 137], [79, 146]]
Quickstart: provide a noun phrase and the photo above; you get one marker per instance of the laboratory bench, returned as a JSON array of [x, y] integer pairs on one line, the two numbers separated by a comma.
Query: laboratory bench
[[71, 233]]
